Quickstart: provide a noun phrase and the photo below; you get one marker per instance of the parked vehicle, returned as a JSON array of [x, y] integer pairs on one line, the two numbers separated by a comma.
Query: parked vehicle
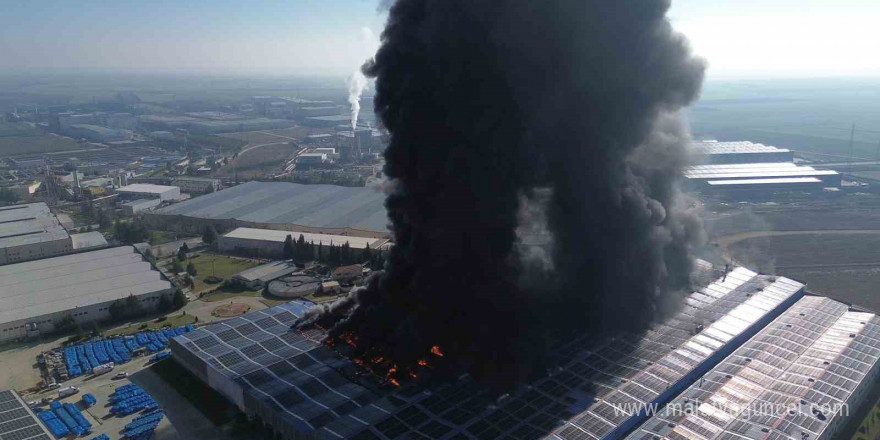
[[121, 375], [101, 369], [53, 386], [67, 391]]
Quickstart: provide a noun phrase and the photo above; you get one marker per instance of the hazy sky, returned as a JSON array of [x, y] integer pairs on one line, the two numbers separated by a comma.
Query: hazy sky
[[740, 38]]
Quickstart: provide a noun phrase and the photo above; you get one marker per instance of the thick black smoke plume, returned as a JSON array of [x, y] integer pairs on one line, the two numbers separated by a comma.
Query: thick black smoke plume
[[501, 111]]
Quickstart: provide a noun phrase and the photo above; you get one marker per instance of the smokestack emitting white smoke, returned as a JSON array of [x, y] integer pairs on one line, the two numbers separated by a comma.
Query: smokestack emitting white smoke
[[356, 85]]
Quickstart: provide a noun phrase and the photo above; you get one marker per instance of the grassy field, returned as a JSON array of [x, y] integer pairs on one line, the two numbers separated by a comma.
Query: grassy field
[[217, 265], [161, 237], [845, 267], [43, 143]]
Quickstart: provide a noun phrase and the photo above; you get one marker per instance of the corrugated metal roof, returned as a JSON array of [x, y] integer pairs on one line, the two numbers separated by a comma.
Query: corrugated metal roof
[[814, 355], [36, 288], [739, 147], [299, 378], [764, 181], [146, 188], [290, 203], [27, 224]]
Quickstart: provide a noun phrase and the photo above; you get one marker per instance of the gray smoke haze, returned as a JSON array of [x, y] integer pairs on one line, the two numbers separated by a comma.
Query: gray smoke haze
[[513, 120]]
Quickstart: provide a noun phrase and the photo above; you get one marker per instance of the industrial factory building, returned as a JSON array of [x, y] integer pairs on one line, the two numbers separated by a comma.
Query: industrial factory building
[[269, 243], [302, 388], [327, 209], [36, 295], [747, 169], [138, 191], [29, 232], [787, 382], [17, 421]]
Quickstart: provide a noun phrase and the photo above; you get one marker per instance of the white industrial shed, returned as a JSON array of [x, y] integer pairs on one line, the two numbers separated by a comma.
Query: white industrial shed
[[270, 242], [149, 191], [37, 294], [29, 232]]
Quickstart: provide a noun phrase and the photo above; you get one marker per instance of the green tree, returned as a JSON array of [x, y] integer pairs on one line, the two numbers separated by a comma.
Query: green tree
[[179, 299], [164, 303], [7, 197], [191, 269], [209, 235], [67, 325], [287, 252], [367, 254], [181, 253], [176, 267]]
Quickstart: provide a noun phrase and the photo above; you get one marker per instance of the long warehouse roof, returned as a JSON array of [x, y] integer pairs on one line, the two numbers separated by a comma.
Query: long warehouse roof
[[772, 180], [325, 239], [709, 172], [326, 206], [739, 147], [41, 287], [781, 383], [27, 224], [312, 387]]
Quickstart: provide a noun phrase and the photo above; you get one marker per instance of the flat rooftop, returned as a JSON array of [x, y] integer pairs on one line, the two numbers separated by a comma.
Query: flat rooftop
[[325, 239], [296, 380], [40, 287], [812, 356], [314, 206], [147, 188], [87, 240], [268, 271], [768, 181], [28, 224]]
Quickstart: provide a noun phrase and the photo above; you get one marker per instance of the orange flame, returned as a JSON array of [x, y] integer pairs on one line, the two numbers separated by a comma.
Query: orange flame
[[423, 363], [413, 374], [395, 382], [435, 350]]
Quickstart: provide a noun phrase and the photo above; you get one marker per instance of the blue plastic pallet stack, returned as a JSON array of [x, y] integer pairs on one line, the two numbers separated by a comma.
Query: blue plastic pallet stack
[[64, 418], [101, 436], [55, 425], [88, 399], [82, 358], [142, 427], [129, 399]]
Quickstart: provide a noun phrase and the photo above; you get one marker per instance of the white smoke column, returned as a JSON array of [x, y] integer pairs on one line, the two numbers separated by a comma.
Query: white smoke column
[[356, 85]]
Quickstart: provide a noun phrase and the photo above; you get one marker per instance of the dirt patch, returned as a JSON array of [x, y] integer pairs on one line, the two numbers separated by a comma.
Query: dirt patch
[[230, 310]]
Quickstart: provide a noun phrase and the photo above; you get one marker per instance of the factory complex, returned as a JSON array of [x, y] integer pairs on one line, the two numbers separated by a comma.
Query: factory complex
[[745, 169], [326, 209], [743, 338], [37, 295]]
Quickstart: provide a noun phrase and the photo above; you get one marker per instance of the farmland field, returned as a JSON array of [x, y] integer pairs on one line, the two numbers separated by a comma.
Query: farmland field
[[41, 143]]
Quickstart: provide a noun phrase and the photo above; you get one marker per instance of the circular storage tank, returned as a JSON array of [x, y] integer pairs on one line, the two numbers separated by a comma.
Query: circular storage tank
[[294, 286]]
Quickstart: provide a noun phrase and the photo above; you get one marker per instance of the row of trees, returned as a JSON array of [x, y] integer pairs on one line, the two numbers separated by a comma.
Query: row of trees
[[301, 251], [130, 232]]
